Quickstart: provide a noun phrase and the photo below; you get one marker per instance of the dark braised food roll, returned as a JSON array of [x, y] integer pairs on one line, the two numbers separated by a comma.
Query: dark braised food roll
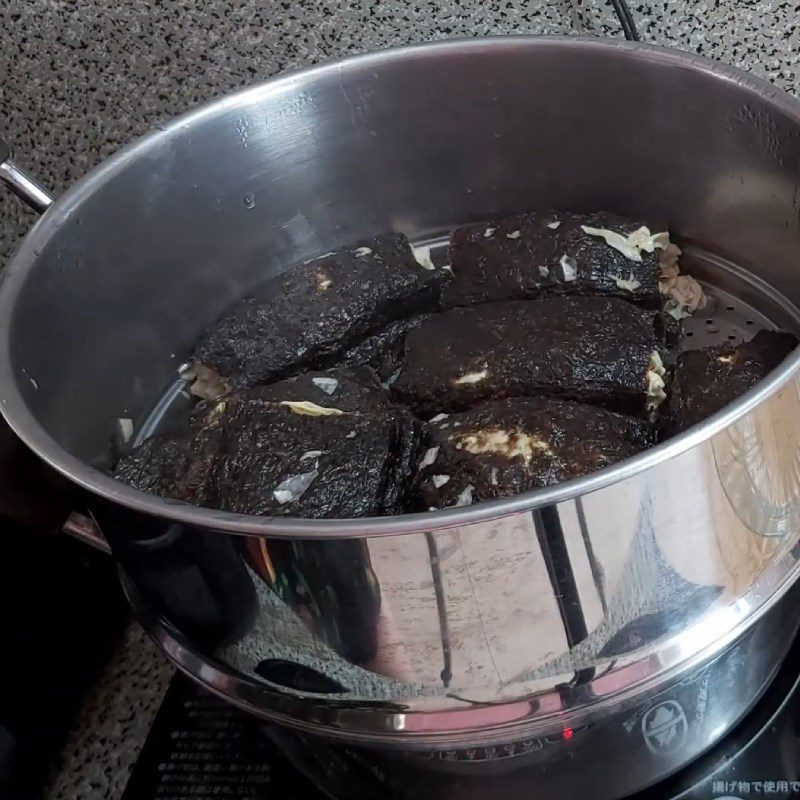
[[253, 453], [280, 462], [173, 466], [312, 313], [555, 252], [592, 349], [707, 380], [382, 351], [501, 448]]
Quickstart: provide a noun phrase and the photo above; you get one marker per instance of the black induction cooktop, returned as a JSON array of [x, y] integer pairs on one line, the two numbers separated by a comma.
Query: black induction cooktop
[[200, 748]]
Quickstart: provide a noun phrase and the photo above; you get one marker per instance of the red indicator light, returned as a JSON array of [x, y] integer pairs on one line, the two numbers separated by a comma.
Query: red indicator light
[[567, 733]]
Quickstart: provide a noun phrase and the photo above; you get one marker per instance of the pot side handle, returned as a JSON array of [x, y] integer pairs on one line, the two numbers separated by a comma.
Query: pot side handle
[[35, 196], [81, 527], [27, 189]]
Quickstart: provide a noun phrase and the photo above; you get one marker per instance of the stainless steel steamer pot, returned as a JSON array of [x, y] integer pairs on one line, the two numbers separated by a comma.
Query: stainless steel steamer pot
[[613, 615]]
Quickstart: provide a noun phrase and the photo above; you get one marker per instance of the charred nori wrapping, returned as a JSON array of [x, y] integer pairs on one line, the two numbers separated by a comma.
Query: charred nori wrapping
[[382, 351], [591, 349], [519, 257], [705, 381], [313, 312], [362, 470], [174, 466], [504, 447], [237, 453]]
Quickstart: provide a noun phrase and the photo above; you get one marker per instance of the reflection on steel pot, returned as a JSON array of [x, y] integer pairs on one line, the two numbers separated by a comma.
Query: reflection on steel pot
[[661, 728], [491, 629]]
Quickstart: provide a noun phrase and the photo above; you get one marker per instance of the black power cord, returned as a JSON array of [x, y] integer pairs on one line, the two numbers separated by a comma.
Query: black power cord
[[625, 19]]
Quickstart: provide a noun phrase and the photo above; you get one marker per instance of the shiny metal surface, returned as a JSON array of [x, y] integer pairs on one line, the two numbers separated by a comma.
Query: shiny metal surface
[[80, 527], [572, 609], [637, 741], [27, 189], [610, 757], [478, 625]]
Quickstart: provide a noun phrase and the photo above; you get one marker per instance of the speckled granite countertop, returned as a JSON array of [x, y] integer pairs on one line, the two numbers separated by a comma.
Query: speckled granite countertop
[[111, 728], [80, 79], [77, 80]]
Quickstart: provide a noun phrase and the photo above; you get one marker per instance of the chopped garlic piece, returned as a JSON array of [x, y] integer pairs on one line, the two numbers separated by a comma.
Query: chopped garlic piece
[[125, 428], [544, 271], [440, 480], [472, 377], [351, 435], [662, 242], [208, 385], [363, 251], [655, 391], [570, 267], [676, 310], [309, 409], [685, 291], [615, 240], [513, 235], [311, 454], [729, 359], [438, 418], [656, 364], [632, 245], [489, 232], [668, 261], [642, 239], [655, 382], [213, 417], [493, 476], [429, 457], [497, 441], [554, 225], [630, 285], [422, 255], [327, 385], [465, 498], [293, 488]]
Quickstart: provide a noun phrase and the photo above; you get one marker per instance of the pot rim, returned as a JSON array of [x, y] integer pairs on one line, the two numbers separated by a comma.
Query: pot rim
[[16, 412]]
